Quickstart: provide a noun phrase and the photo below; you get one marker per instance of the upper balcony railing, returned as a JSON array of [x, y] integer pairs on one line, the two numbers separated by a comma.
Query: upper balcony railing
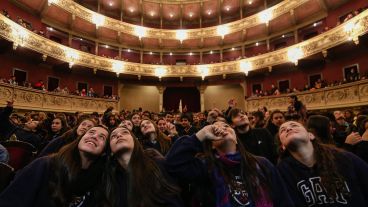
[[350, 30], [346, 95], [139, 31], [32, 99]]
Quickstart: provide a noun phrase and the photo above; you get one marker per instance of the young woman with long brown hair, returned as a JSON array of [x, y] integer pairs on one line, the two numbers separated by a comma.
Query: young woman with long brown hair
[[215, 162], [68, 178], [153, 137], [135, 177], [84, 123], [320, 175]]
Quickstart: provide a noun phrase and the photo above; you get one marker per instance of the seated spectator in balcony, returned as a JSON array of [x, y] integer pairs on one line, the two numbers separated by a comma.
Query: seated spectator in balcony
[[13, 80], [187, 128], [353, 75], [83, 92], [276, 119], [306, 87], [318, 84], [5, 13], [91, 93], [76, 92], [153, 137], [65, 90], [39, 85], [277, 92], [295, 90], [257, 141], [2, 80], [57, 90], [273, 89], [348, 17], [27, 133]]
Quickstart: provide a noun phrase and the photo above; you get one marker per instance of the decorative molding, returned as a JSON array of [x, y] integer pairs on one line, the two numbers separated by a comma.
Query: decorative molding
[[346, 95], [127, 28], [31, 99], [347, 31]]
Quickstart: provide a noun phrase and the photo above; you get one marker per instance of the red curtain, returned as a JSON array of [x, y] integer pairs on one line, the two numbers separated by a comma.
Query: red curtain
[[189, 96]]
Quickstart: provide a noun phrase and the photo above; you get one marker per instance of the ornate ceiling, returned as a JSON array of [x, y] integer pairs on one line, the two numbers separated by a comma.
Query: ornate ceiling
[[243, 22]]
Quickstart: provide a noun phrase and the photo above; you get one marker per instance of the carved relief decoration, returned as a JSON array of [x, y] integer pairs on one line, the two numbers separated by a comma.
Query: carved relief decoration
[[322, 42], [30, 99], [352, 94], [124, 27]]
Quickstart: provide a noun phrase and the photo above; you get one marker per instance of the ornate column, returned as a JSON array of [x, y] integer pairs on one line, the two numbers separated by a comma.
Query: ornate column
[[161, 90], [201, 89]]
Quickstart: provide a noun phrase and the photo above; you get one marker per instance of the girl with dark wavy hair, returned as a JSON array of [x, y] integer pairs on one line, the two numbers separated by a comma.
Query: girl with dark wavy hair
[[224, 174], [68, 178], [320, 175], [83, 125], [136, 177], [153, 137]]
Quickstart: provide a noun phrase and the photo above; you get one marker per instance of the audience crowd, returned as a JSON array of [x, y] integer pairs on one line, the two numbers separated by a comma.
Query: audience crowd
[[211, 158]]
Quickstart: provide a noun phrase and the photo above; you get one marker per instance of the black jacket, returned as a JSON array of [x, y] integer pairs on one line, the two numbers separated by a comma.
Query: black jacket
[[260, 142]]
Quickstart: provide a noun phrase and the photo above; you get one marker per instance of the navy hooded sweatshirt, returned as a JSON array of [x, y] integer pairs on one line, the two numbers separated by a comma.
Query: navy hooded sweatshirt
[[183, 164], [304, 183]]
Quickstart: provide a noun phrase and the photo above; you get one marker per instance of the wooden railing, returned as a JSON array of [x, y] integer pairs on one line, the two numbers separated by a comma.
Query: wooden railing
[[346, 95], [31, 99]]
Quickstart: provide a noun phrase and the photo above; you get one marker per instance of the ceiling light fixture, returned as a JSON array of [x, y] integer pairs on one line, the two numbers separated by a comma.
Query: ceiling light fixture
[[140, 31], [181, 35], [222, 30]]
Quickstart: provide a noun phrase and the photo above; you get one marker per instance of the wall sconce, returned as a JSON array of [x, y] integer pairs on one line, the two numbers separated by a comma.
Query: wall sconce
[[203, 70], [98, 19], [71, 56], [181, 35], [159, 72], [245, 67], [20, 35], [140, 31], [295, 54], [222, 30]]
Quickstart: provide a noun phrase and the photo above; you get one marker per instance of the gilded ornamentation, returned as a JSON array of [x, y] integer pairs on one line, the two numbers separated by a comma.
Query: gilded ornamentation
[[124, 27], [322, 42], [30, 99], [351, 94]]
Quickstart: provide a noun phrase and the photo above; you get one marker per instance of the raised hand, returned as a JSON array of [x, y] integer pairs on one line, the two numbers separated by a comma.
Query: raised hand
[[211, 132]]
